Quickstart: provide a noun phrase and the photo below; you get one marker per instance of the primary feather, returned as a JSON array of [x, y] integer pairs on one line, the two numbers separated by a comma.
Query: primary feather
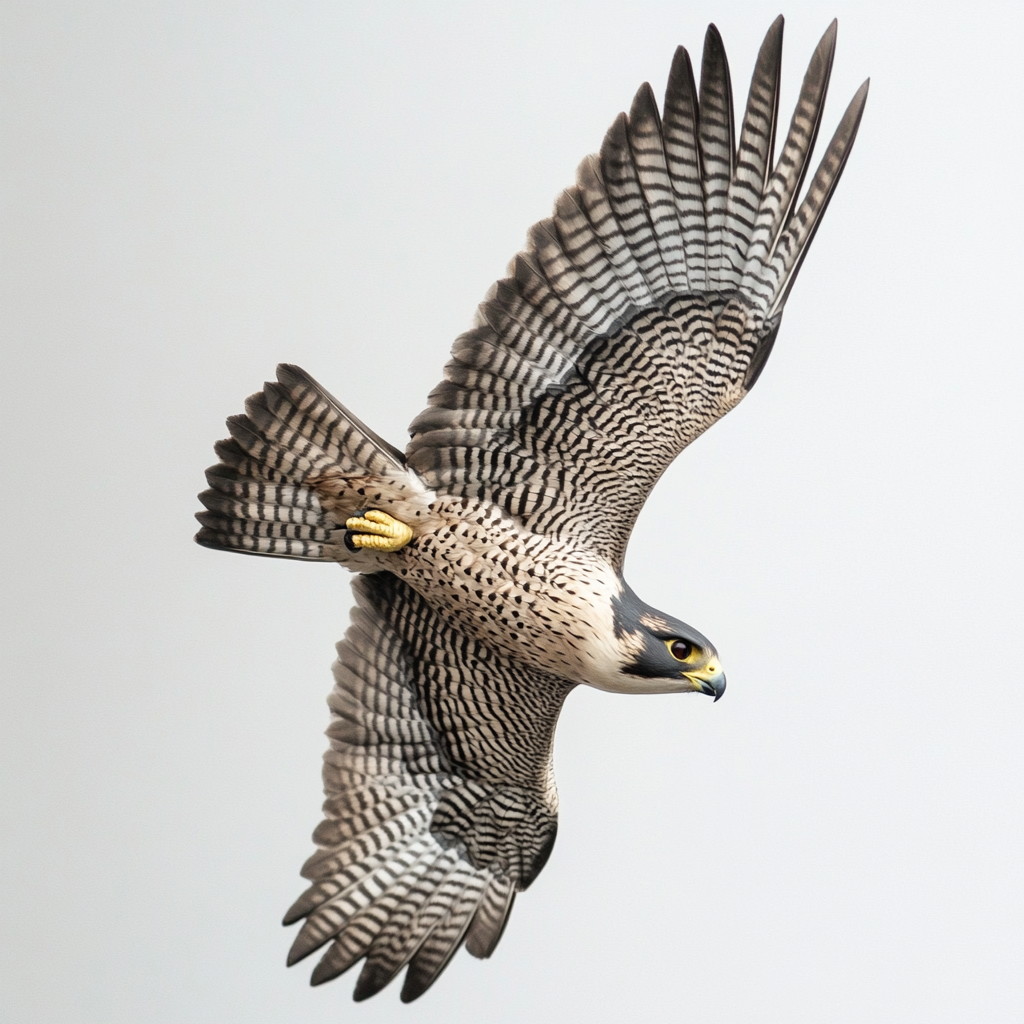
[[641, 285]]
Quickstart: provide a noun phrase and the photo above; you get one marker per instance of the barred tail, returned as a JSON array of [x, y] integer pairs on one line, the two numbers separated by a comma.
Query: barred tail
[[296, 466]]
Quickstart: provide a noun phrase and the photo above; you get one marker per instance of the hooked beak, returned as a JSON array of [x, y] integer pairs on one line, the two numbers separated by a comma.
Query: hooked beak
[[709, 680], [715, 686]]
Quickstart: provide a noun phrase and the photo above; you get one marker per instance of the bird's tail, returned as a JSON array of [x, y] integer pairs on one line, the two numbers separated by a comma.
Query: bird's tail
[[295, 468]]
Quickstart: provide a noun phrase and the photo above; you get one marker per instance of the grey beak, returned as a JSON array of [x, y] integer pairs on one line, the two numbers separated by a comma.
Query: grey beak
[[715, 686]]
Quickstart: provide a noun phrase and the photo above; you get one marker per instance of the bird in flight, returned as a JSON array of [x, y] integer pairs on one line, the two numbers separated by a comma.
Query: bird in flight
[[490, 552]]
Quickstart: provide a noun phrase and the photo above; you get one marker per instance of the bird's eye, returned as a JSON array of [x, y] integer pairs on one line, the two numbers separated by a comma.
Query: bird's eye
[[680, 649]]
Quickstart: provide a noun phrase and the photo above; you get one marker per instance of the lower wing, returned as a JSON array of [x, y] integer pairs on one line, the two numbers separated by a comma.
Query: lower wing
[[440, 800]]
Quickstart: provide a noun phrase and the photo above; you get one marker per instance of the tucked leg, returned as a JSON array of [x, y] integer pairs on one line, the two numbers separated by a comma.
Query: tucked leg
[[377, 531]]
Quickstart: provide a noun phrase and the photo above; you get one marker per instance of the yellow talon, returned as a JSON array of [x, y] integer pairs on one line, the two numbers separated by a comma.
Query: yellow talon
[[377, 531]]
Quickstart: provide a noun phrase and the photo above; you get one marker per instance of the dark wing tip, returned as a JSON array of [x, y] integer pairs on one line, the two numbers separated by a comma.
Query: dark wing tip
[[206, 537], [645, 106], [297, 911], [421, 975], [828, 40], [371, 980], [289, 375], [773, 37]]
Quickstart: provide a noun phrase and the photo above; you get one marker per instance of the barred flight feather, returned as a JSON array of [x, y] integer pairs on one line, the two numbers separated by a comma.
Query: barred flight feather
[[655, 288], [756, 153], [440, 945], [784, 185], [716, 137], [438, 805], [684, 162]]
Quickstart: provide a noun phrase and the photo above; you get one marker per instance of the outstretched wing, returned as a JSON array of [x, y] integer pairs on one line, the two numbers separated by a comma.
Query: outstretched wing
[[440, 799], [643, 310]]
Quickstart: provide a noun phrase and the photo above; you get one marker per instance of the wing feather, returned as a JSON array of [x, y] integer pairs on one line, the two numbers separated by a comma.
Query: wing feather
[[440, 945], [490, 918], [783, 187], [626, 198], [439, 802], [607, 229], [756, 153], [644, 131], [643, 310], [683, 160], [718, 147], [795, 241], [581, 248]]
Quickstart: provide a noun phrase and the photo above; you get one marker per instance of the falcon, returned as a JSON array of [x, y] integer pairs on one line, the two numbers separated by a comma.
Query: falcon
[[490, 552]]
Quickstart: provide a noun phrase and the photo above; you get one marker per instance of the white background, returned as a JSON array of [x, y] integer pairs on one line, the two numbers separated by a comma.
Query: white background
[[195, 191]]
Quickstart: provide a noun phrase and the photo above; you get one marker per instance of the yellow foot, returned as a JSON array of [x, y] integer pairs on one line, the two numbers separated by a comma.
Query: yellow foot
[[377, 531]]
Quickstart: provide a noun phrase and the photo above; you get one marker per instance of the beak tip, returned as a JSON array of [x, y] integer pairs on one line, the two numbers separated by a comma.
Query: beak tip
[[713, 686], [718, 685]]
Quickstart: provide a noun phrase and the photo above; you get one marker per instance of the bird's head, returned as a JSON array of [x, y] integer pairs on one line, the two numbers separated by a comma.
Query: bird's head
[[660, 654]]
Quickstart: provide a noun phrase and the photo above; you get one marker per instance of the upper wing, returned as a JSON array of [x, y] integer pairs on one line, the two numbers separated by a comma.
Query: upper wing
[[440, 795], [642, 310]]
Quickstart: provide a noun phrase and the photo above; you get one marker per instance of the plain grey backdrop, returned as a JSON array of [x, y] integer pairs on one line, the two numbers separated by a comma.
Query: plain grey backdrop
[[193, 192]]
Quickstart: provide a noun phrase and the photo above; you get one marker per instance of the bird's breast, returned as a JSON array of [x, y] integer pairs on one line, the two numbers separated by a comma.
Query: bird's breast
[[545, 601]]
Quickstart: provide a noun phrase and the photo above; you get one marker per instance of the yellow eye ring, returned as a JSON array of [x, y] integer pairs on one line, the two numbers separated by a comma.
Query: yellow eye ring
[[681, 650]]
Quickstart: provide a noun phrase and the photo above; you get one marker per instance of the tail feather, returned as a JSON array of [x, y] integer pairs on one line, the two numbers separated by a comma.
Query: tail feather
[[353, 437], [290, 449], [296, 466], [227, 481], [286, 539], [292, 455], [268, 503], [235, 457]]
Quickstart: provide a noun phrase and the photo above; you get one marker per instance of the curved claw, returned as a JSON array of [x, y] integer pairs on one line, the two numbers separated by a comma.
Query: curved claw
[[377, 531]]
